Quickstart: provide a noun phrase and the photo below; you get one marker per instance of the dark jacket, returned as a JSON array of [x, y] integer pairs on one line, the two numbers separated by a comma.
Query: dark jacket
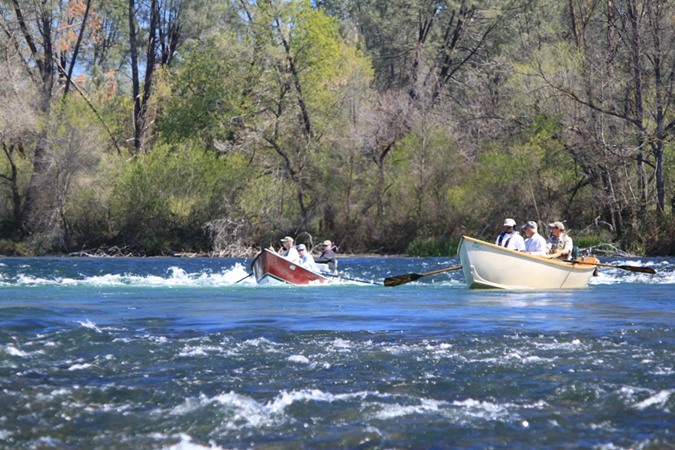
[[327, 257]]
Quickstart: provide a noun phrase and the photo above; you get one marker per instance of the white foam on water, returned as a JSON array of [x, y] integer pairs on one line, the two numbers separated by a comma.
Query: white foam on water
[[91, 325], [200, 350], [264, 343], [663, 371], [249, 413], [342, 344], [609, 275], [605, 426], [425, 406], [514, 356], [485, 410], [300, 359], [658, 400], [575, 345], [246, 412], [84, 366], [287, 398], [174, 277], [631, 394], [13, 351], [186, 443]]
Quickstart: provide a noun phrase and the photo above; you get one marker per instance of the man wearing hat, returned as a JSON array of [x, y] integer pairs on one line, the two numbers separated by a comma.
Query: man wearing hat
[[559, 244], [535, 244], [510, 238], [306, 259], [288, 251], [327, 256]]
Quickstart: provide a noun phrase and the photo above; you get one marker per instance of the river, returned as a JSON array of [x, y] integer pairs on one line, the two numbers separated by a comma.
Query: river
[[164, 353]]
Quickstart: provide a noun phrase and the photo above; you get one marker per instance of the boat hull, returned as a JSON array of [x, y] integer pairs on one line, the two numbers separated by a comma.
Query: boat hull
[[269, 267], [488, 266]]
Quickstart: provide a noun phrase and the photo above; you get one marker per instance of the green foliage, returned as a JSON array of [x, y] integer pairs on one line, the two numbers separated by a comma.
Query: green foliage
[[589, 241], [211, 93], [163, 199], [655, 237], [14, 248], [410, 146], [529, 180], [432, 247]]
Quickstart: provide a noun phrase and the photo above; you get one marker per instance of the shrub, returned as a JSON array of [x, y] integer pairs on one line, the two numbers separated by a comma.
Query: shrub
[[432, 247]]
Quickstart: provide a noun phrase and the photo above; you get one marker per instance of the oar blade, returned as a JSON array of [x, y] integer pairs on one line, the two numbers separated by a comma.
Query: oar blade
[[639, 269], [402, 279]]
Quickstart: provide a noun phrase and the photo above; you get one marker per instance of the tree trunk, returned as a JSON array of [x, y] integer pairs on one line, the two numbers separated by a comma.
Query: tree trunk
[[44, 60], [141, 99], [13, 181], [135, 80]]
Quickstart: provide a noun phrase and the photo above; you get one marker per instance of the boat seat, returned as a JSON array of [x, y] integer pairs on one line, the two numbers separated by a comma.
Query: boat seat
[[324, 268]]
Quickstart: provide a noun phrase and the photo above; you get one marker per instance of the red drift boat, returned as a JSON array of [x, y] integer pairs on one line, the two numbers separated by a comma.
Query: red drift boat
[[269, 267]]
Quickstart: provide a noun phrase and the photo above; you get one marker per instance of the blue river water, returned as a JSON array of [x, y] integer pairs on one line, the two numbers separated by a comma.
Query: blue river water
[[163, 353]]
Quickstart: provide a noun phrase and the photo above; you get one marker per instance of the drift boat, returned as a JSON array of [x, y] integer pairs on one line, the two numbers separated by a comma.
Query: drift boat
[[488, 266], [270, 267]]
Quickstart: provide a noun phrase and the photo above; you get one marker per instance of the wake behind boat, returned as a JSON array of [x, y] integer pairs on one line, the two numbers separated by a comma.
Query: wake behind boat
[[488, 266], [270, 267]]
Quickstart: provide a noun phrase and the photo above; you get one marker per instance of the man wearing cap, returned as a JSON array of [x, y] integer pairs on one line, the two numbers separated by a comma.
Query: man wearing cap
[[327, 255], [535, 244], [559, 244], [510, 238], [288, 251], [306, 259]]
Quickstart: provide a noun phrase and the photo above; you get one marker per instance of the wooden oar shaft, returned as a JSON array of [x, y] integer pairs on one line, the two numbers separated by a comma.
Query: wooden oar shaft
[[238, 281], [407, 278], [447, 269]]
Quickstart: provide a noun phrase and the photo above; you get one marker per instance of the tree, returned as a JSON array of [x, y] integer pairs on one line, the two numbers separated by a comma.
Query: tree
[[18, 130], [163, 38], [44, 37], [270, 92], [626, 65]]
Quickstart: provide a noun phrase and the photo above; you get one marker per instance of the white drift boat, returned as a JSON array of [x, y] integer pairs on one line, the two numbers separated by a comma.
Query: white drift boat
[[488, 266]]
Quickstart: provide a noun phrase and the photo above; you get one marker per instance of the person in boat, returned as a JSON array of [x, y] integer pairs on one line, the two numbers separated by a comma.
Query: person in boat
[[306, 260], [559, 244], [510, 238], [288, 250], [327, 256], [535, 244]]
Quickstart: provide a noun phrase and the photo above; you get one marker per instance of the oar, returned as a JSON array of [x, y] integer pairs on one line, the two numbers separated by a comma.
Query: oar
[[639, 269], [407, 278], [340, 277], [238, 281]]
